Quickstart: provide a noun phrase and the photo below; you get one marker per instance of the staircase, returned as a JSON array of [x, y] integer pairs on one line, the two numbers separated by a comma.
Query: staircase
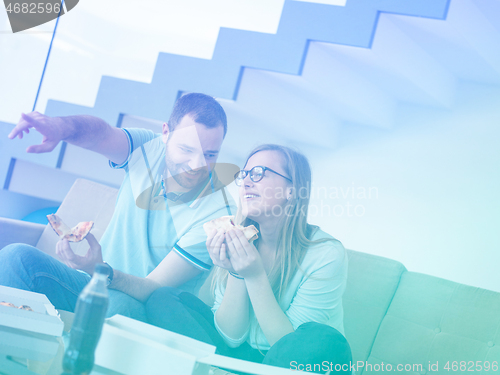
[[326, 71]]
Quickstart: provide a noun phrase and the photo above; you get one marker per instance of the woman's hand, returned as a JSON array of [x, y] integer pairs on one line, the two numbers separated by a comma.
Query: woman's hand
[[244, 257], [86, 263], [217, 250]]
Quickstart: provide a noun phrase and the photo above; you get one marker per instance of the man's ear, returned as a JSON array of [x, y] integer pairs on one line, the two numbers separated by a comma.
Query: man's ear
[[289, 193], [165, 132]]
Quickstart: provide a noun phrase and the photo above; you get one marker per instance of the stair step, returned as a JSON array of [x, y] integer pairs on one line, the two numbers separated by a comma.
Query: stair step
[[16, 148], [282, 52], [17, 206], [43, 182], [338, 86]]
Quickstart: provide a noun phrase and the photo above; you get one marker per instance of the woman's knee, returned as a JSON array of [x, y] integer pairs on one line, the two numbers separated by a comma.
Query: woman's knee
[[162, 296], [162, 302], [326, 340], [321, 332], [311, 343], [123, 304]]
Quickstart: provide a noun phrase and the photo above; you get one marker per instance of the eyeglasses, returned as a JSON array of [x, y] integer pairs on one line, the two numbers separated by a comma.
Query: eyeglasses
[[256, 174]]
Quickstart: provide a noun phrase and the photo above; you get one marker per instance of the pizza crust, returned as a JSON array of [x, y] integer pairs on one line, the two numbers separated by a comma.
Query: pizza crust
[[25, 307], [3, 303], [22, 307], [226, 223], [75, 234]]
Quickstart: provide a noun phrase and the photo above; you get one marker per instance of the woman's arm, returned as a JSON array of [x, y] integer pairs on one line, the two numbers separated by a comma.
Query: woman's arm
[[233, 315], [272, 320], [247, 262]]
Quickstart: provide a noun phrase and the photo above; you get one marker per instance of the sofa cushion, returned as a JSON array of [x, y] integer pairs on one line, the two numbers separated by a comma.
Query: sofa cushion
[[12, 230], [371, 283], [436, 320]]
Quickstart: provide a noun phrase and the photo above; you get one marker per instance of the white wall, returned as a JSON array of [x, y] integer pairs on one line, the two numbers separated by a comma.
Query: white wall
[[436, 179]]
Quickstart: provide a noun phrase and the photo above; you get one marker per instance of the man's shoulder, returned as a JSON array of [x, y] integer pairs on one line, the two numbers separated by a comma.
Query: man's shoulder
[[146, 159], [140, 136], [153, 148]]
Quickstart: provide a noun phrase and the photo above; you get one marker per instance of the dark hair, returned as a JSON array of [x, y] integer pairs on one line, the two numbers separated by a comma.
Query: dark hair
[[203, 108]]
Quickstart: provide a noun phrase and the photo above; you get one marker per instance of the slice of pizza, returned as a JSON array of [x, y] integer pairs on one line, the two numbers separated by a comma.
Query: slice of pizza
[[75, 234], [226, 223], [3, 303]]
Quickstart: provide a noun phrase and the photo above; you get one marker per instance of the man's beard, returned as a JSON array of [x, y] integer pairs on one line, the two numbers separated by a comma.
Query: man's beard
[[177, 171]]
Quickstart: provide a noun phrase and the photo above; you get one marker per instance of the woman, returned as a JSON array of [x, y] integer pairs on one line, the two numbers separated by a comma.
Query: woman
[[278, 300]]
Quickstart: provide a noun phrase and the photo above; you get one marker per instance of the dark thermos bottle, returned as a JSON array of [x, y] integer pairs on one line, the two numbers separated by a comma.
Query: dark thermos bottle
[[90, 312]]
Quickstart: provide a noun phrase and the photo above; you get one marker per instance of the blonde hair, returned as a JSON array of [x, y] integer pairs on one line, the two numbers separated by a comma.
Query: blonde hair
[[295, 234]]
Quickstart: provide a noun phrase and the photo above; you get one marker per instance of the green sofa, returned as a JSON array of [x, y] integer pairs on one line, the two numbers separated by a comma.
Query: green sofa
[[394, 320], [397, 317]]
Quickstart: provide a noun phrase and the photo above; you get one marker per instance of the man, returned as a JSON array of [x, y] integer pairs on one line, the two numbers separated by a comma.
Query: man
[[155, 237]]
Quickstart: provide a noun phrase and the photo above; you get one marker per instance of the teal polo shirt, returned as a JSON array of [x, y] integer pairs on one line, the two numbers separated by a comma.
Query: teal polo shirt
[[147, 224]]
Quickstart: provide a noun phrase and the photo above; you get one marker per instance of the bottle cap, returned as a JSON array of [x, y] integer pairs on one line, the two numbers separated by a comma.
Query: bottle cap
[[102, 269]]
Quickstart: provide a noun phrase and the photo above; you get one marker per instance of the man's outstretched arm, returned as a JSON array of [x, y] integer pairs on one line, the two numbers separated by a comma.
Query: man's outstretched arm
[[89, 132]]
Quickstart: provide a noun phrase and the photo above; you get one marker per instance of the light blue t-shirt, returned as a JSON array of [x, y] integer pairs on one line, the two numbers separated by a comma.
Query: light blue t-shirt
[[313, 295], [146, 225]]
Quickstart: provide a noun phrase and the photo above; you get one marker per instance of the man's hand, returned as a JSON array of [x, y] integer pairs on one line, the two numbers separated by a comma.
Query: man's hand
[[51, 128], [89, 132], [86, 263]]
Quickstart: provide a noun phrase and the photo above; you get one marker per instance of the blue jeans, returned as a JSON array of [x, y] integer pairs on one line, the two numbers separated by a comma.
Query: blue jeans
[[25, 267]]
